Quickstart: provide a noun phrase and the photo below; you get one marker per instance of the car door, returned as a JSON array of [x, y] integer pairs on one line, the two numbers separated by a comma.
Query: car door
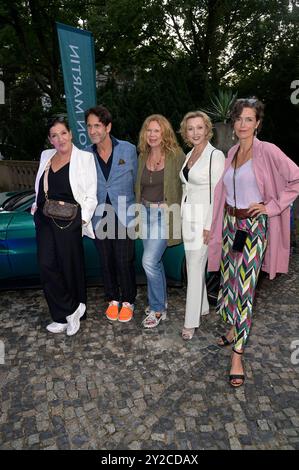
[[5, 267], [21, 245]]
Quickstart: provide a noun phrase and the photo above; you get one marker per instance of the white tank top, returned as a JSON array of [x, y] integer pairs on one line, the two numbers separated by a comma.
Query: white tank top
[[247, 191]]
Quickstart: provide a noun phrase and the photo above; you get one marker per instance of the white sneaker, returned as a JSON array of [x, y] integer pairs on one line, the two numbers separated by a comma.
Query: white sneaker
[[73, 321], [153, 319], [56, 327]]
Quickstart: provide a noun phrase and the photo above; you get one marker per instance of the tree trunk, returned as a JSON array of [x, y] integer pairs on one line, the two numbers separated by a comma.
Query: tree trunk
[[223, 138]]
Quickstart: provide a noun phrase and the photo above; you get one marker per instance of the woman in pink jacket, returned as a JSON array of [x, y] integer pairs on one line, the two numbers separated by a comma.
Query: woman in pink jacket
[[251, 224]]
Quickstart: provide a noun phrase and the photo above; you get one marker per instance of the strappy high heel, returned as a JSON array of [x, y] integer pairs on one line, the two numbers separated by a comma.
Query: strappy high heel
[[233, 377], [225, 341]]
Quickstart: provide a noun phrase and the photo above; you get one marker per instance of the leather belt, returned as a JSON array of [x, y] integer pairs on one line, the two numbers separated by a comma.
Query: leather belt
[[239, 213]]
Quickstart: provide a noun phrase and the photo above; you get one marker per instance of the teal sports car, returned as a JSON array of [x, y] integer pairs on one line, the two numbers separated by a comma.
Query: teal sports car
[[18, 257]]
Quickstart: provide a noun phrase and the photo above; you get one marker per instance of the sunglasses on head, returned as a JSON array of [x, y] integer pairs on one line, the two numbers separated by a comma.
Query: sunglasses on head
[[247, 100], [57, 118]]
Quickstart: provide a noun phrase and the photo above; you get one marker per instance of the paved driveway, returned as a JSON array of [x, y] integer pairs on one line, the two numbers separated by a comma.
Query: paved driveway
[[116, 386]]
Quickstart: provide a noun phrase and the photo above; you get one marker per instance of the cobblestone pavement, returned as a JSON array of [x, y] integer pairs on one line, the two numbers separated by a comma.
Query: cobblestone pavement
[[117, 386]]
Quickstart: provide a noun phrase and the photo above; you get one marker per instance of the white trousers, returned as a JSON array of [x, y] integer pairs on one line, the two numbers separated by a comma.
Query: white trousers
[[197, 300]]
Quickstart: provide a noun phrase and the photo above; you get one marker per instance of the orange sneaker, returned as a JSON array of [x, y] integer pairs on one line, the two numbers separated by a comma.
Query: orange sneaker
[[126, 312], [112, 311]]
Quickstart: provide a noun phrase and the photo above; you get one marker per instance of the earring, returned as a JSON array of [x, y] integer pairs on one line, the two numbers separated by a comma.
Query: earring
[[233, 135], [255, 131]]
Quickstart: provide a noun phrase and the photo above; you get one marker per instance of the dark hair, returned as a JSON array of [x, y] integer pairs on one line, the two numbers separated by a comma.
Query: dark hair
[[101, 112], [60, 119], [252, 103]]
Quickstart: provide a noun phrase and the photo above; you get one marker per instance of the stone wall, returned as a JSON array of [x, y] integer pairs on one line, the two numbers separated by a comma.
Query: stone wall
[[17, 174]]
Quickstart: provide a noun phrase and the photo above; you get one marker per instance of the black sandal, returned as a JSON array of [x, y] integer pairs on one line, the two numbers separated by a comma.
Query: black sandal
[[236, 376], [225, 342]]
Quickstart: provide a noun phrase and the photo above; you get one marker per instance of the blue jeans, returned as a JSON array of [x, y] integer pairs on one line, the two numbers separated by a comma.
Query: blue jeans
[[154, 245]]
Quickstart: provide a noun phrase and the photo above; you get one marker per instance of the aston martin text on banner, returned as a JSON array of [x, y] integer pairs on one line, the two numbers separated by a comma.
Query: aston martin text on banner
[[79, 75]]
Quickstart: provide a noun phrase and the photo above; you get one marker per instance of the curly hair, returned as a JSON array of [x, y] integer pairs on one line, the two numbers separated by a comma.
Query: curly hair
[[252, 103], [169, 141], [194, 114]]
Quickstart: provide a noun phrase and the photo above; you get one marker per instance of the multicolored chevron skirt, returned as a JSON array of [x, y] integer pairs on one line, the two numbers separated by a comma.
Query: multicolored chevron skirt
[[239, 274]]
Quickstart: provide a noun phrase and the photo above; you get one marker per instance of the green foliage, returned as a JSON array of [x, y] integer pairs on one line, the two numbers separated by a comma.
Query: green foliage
[[166, 56], [221, 105], [30, 61]]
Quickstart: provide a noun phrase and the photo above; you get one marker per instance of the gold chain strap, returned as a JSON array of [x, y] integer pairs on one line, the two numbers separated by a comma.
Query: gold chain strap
[[62, 227]]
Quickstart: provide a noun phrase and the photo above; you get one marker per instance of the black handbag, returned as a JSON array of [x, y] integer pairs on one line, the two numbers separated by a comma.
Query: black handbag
[[239, 240], [60, 210]]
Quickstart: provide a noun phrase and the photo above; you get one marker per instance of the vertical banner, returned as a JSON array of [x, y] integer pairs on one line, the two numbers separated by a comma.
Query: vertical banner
[[79, 75]]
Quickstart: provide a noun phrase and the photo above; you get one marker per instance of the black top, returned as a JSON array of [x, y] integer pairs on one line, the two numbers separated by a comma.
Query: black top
[[105, 166], [59, 186], [186, 172]]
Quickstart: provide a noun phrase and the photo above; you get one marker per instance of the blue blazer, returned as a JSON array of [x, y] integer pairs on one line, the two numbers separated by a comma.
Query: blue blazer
[[120, 183]]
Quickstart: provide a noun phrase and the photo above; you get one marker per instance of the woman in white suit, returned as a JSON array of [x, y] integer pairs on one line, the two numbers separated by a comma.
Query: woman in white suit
[[200, 173], [68, 175]]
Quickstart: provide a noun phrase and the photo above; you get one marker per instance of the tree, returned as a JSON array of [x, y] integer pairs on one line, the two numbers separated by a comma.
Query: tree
[[31, 71], [165, 56]]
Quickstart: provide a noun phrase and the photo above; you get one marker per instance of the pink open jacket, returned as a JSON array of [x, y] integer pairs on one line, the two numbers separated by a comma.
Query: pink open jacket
[[278, 181]]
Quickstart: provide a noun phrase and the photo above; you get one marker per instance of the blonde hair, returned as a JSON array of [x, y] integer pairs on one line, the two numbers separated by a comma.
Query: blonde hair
[[169, 142], [193, 114]]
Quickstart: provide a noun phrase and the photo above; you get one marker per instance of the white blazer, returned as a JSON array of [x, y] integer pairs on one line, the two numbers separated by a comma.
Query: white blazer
[[83, 181], [196, 206]]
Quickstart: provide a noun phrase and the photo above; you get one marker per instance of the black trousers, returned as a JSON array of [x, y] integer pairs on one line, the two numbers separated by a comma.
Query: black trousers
[[117, 259], [61, 261]]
